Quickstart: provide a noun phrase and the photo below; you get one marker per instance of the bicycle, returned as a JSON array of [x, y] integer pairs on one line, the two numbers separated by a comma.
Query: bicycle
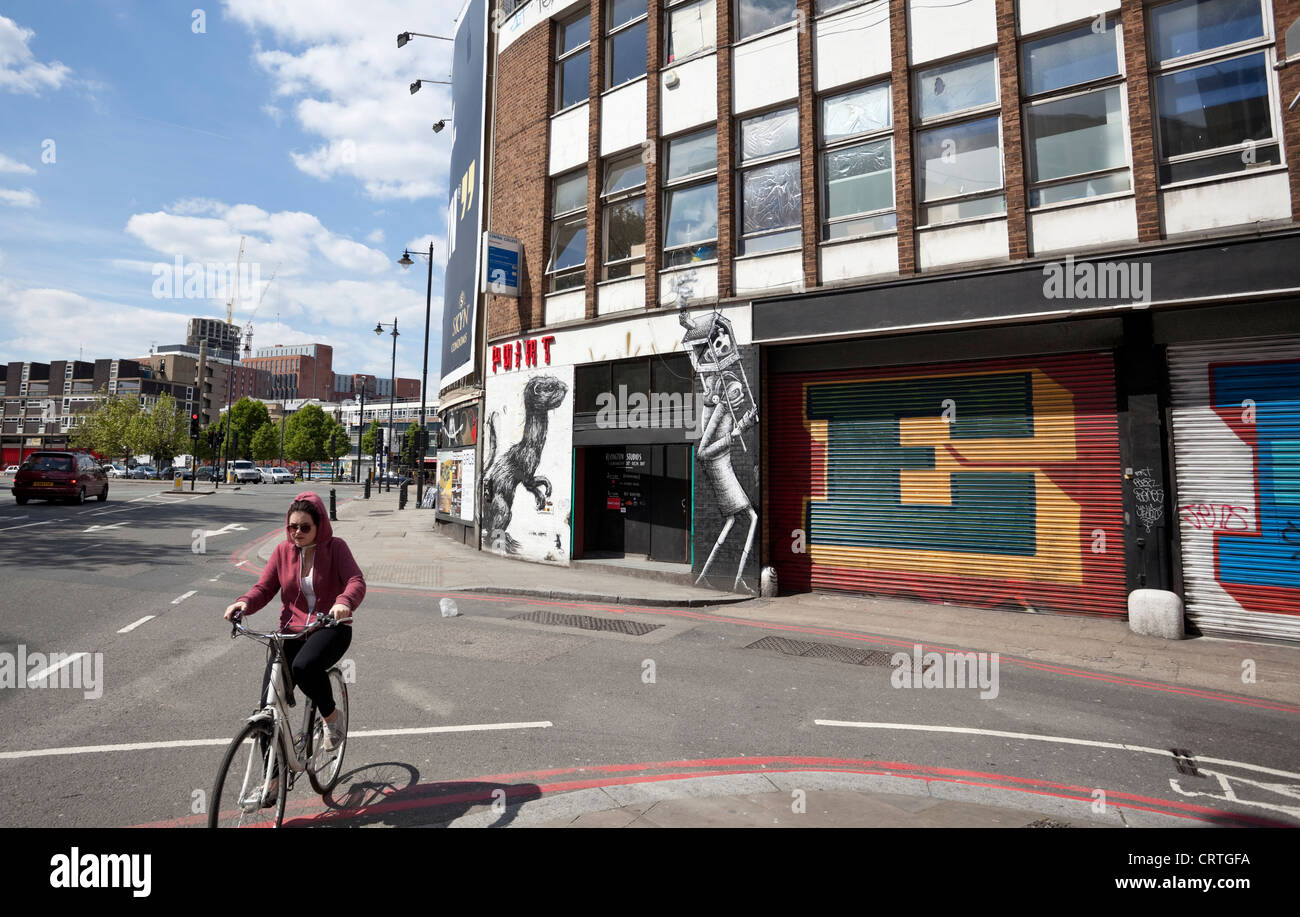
[[266, 749]]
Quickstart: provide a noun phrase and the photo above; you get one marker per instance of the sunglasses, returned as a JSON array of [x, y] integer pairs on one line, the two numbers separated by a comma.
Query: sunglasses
[[303, 527]]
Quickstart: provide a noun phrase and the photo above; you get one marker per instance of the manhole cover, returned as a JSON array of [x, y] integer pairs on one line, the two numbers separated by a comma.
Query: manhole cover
[[586, 622], [1047, 823], [832, 651]]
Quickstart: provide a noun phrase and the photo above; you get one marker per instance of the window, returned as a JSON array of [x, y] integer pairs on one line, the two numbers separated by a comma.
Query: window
[[690, 29], [1214, 88], [623, 194], [567, 268], [691, 198], [959, 161], [857, 163], [1075, 141], [573, 62], [755, 16], [626, 41], [770, 192]]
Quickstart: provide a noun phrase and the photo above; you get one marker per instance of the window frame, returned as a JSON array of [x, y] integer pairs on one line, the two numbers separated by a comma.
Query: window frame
[[969, 115], [1027, 102], [1267, 44], [553, 274], [770, 30], [562, 57], [825, 147], [607, 201], [668, 187], [794, 154], [612, 32], [667, 33]]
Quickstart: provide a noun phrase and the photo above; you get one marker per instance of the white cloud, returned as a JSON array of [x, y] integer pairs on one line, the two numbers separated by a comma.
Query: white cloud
[[274, 113], [13, 165], [346, 81], [119, 330], [15, 198], [376, 237], [19, 70]]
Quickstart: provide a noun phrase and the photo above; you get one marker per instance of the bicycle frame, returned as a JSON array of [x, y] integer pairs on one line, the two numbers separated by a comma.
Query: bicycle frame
[[276, 708]]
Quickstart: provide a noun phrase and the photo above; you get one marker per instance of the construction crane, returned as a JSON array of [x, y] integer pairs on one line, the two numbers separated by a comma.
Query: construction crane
[[248, 329], [230, 303]]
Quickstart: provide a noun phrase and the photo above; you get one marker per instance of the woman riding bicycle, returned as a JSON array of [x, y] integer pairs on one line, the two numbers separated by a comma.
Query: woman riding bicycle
[[312, 570]]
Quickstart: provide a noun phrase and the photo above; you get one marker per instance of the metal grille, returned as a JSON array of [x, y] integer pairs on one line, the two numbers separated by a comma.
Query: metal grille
[[586, 622], [991, 483], [832, 651]]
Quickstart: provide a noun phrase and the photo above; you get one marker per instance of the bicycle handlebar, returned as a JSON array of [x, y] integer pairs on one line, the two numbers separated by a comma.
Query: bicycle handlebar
[[236, 628]]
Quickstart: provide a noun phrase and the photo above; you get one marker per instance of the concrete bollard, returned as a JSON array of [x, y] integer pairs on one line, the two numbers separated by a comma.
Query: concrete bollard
[[767, 582], [334, 515], [367, 495], [401, 495], [1155, 613]]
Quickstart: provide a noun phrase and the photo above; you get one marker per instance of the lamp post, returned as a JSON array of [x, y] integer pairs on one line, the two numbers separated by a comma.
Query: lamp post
[[392, 392], [361, 428], [406, 263]]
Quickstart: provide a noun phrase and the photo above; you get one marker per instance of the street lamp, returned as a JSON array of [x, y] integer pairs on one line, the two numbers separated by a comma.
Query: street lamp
[[437, 128], [405, 261], [392, 392], [404, 37], [415, 87]]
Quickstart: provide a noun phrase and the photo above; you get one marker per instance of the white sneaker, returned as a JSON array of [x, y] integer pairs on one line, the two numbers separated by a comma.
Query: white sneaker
[[331, 735]]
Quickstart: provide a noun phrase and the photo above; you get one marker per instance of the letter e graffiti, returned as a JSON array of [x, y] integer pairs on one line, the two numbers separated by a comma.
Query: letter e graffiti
[[1099, 801], [200, 24], [1099, 541], [200, 543], [949, 411], [799, 542], [1248, 411], [1248, 671], [198, 802], [647, 671], [800, 804], [499, 801]]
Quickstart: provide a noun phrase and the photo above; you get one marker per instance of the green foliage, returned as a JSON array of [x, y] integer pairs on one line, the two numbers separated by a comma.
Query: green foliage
[[306, 434], [162, 433], [105, 429], [247, 416], [266, 442], [370, 439]]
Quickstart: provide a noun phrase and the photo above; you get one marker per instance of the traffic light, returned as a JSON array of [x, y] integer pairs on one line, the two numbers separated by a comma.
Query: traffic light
[[401, 447], [194, 425]]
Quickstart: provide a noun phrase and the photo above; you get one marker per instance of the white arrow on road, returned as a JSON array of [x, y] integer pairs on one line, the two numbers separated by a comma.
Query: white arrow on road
[[102, 528], [233, 527]]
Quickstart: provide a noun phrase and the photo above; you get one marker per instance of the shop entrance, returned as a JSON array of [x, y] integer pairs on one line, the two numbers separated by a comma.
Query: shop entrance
[[636, 501]]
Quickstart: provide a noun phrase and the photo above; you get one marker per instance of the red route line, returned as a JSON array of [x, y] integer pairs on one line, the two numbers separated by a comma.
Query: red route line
[[1053, 668], [721, 767]]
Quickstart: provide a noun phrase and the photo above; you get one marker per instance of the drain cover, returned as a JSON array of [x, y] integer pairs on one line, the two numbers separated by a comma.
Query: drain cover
[[1047, 823], [833, 651], [586, 622]]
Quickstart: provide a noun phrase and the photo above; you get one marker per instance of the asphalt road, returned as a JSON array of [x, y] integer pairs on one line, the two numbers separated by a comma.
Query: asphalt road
[[543, 708]]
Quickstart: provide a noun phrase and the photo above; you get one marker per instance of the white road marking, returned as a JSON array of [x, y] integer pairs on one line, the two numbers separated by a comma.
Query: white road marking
[[1062, 740], [27, 526], [195, 743], [241, 563], [179, 599], [40, 676], [232, 527], [13, 518], [123, 509], [217, 577], [131, 627], [104, 528]]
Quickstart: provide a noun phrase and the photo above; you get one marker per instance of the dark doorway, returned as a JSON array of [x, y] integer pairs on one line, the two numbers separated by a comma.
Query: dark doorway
[[637, 501]]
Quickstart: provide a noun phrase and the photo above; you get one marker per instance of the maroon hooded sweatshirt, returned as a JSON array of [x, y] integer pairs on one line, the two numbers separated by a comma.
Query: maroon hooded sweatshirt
[[335, 576]]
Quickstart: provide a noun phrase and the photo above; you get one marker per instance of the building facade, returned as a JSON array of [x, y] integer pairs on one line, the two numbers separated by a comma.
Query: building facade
[[297, 371], [990, 302]]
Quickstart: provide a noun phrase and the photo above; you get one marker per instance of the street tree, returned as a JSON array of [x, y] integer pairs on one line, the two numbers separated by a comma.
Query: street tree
[[370, 439], [266, 442], [162, 433], [247, 416], [337, 444], [306, 434], [104, 429]]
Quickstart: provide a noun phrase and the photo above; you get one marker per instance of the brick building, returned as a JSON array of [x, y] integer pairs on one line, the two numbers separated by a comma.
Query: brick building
[[297, 371], [1008, 285]]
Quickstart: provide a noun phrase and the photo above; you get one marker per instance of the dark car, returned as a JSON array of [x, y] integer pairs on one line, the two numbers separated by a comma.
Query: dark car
[[60, 475], [144, 473]]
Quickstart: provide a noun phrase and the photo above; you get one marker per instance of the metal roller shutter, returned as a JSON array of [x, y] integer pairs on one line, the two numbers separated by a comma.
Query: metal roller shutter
[[1236, 422], [995, 483]]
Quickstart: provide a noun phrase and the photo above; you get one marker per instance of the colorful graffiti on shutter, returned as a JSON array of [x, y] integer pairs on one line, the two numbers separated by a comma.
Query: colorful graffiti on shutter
[[990, 484], [1257, 560]]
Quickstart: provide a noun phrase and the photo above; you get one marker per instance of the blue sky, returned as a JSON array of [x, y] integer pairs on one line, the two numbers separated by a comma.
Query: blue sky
[[133, 132]]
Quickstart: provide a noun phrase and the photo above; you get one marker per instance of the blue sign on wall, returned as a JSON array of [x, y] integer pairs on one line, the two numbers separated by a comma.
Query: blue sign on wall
[[464, 221], [501, 265]]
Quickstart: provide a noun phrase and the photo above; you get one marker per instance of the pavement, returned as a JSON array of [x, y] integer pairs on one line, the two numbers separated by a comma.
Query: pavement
[[400, 549]]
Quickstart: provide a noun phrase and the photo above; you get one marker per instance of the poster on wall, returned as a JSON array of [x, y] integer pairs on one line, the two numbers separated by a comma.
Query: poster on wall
[[526, 481], [456, 485]]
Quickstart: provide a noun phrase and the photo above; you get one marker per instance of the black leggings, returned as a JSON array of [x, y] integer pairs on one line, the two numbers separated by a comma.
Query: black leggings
[[309, 661]]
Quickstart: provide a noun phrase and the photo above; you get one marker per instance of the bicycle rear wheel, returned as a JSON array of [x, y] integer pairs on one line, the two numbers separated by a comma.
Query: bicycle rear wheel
[[236, 800], [324, 767]]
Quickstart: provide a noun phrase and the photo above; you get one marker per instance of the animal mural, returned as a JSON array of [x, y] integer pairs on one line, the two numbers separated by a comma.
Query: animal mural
[[729, 410], [993, 483], [517, 466]]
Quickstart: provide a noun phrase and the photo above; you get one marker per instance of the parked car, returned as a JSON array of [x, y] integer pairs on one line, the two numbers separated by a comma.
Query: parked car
[[245, 472], [12, 469], [277, 476], [167, 472], [116, 470], [59, 475], [145, 472]]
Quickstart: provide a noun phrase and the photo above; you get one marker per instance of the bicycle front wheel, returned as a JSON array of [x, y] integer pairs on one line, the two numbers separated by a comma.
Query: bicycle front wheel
[[239, 799], [324, 767]]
